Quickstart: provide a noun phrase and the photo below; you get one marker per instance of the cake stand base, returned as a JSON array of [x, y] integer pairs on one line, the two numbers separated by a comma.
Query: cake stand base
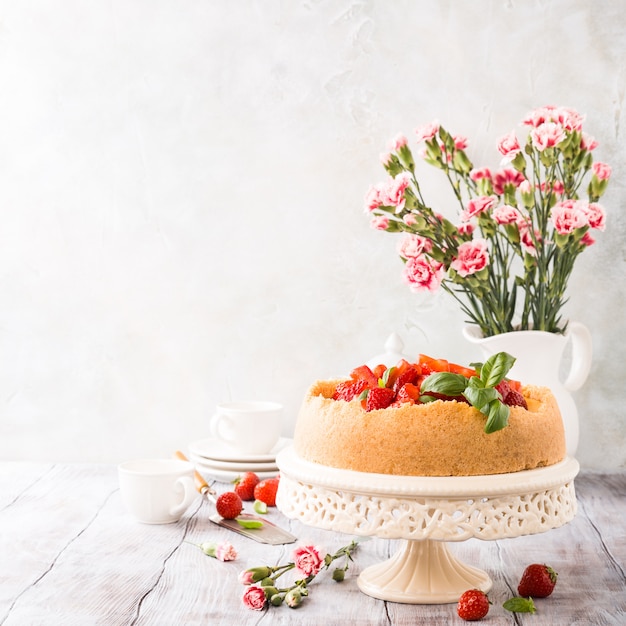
[[422, 572]]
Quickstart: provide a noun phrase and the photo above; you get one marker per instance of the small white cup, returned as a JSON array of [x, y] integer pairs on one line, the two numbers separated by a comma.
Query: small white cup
[[157, 491], [248, 427]]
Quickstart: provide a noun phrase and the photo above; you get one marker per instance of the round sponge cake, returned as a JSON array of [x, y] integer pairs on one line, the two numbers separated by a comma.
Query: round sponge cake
[[441, 438]]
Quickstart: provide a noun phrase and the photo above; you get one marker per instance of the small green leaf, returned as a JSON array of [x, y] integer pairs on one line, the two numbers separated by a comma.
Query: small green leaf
[[387, 373], [498, 417], [426, 399], [363, 395], [445, 383], [249, 523], [520, 605], [480, 397], [496, 368]]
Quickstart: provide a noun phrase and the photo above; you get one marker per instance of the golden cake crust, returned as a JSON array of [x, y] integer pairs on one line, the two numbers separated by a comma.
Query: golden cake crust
[[441, 438]]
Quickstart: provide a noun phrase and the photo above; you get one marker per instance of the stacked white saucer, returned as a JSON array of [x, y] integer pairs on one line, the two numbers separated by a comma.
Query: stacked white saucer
[[215, 460]]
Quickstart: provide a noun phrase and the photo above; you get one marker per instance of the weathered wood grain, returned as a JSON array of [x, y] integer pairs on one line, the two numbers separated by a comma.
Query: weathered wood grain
[[71, 555]]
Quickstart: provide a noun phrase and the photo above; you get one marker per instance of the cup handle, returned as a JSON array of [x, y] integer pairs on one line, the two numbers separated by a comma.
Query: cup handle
[[215, 428], [190, 493], [582, 351]]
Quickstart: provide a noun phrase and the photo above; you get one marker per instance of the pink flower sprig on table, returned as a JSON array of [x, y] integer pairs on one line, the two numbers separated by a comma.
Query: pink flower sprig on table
[[520, 228], [221, 551], [308, 561]]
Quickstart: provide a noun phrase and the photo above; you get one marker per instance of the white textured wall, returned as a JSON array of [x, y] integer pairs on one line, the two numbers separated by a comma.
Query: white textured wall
[[181, 188]]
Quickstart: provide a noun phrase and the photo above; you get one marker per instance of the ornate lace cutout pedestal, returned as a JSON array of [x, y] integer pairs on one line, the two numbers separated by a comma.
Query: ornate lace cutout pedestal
[[427, 512]]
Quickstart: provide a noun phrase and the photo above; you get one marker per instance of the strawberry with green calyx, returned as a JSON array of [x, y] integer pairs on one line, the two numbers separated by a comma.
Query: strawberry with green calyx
[[538, 581], [520, 605], [479, 390], [245, 484]]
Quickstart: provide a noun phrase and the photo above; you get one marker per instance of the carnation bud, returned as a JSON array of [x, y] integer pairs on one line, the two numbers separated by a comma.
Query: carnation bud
[[339, 575], [254, 575], [293, 598], [277, 599], [270, 591]]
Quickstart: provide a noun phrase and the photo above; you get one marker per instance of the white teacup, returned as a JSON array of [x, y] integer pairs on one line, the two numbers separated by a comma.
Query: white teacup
[[157, 491], [248, 427]]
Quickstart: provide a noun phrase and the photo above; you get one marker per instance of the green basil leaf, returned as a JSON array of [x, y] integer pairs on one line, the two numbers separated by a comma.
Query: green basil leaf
[[426, 399], [520, 605], [496, 368], [477, 366], [497, 418], [363, 395], [445, 383], [480, 397]]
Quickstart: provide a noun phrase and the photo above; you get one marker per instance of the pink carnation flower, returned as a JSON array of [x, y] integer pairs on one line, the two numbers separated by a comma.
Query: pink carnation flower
[[385, 158], [409, 219], [394, 191], [254, 597], [399, 141], [596, 216], [567, 216], [587, 142], [601, 171], [507, 176], [508, 145], [480, 173], [379, 222], [374, 197], [308, 559], [466, 229], [526, 236], [460, 142], [422, 275], [506, 214], [427, 132], [413, 246], [476, 206], [225, 552], [547, 136], [587, 239], [568, 118], [473, 256]]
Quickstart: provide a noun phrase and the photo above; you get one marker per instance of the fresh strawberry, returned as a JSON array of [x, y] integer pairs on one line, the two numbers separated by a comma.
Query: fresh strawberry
[[349, 389], [468, 372], [511, 394], [407, 393], [409, 375], [245, 484], [430, 365], [228, 505], [398, 370], [515, 398], [473, 605], [363, 372], [504, 389], [379, 398], [537, 581], [266, 491], [379, 370]]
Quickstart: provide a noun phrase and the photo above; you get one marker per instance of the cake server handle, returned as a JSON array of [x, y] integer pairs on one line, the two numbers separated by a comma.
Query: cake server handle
[[201, 484]]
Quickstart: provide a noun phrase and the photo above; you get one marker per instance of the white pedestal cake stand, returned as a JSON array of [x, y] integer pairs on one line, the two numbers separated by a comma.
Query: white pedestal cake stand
[[427, 512]]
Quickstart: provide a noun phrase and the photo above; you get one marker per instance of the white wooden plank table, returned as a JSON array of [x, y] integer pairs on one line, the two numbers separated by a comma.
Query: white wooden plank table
[[71, 555]]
